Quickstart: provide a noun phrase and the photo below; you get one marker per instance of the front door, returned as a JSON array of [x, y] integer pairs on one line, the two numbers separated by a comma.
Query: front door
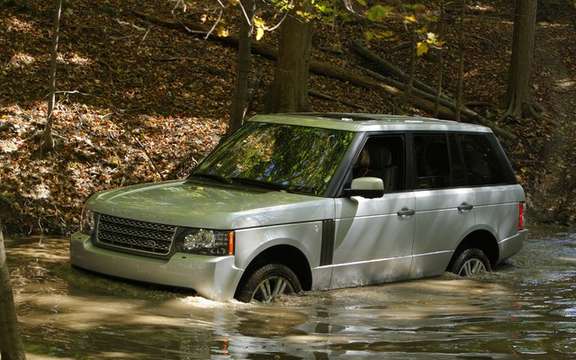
[[373, 237]]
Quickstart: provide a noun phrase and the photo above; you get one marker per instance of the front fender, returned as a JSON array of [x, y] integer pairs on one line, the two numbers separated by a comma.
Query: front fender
[[306, 237]]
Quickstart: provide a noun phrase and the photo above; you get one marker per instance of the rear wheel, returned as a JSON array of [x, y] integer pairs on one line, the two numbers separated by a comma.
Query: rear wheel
[[471, 262], [268, 283]]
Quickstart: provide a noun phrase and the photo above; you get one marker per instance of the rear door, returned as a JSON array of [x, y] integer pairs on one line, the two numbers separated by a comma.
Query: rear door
[[497, 193], [445, 204]]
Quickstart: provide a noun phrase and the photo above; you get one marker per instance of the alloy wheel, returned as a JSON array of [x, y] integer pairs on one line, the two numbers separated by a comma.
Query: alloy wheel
[[271, 288], [472, 267]]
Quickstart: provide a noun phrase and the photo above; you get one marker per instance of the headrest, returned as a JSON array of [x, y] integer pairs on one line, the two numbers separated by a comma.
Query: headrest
[[364, 160], [381, 157]]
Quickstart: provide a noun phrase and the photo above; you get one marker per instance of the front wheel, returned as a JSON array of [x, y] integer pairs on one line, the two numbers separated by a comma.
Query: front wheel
[[471, 262], [268, 283]]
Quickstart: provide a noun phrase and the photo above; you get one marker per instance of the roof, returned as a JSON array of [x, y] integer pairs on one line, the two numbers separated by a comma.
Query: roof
[[368, 122]]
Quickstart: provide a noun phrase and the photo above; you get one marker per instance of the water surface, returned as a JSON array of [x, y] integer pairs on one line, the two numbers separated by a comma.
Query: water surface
[[525, 310]]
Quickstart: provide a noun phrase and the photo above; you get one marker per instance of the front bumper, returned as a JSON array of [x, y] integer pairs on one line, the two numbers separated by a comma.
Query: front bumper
[[215, 278], [512, 245]]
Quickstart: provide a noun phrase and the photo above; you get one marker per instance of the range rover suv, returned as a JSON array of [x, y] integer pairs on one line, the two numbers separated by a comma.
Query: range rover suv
[[294, 202]]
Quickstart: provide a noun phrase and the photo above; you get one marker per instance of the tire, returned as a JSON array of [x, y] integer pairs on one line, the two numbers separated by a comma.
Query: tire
[[280, 279], [471, 262]]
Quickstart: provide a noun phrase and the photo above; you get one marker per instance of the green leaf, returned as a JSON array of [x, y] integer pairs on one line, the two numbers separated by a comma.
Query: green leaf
[[421, 48], [379, 12], [410, 19], [378, 34], [259, 33], [368, 35]]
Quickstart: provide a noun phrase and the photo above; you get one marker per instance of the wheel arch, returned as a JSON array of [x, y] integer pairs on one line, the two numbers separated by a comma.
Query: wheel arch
[[480, 238], [284, 254]]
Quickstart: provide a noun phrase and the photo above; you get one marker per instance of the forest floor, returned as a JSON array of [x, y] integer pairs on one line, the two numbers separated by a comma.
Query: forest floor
[[558, 175], [141, 103]]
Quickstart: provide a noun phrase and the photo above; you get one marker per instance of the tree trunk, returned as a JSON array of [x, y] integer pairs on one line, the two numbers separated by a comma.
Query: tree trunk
[[47, 140], [243, 66], [518, 96], [460, 92], [412, 73], [439, 85], [11, 347], [289, 90]]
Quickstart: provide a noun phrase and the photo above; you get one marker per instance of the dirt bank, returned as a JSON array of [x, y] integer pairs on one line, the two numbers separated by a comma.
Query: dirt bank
[[145, 103]]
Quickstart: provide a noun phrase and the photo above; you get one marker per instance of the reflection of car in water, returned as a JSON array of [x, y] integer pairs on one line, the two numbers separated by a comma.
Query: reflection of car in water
[[314, 201]]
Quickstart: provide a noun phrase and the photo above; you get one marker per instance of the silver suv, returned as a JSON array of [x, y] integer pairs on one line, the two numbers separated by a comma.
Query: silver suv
[[296, 202]]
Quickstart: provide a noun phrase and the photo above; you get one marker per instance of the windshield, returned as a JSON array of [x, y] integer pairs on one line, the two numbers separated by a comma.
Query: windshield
[[276, 156]]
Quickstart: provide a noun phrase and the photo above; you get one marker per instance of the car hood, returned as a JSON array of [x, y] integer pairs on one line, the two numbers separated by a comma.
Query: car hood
[[196, 204]]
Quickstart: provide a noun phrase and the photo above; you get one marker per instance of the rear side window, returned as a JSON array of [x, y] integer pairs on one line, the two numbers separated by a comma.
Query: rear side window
[[432, 163], [484, 160]]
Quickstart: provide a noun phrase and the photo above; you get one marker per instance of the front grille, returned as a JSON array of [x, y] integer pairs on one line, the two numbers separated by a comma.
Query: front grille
[[135, 236]]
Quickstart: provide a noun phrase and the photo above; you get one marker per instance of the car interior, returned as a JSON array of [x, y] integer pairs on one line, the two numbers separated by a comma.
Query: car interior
[[382, 157]]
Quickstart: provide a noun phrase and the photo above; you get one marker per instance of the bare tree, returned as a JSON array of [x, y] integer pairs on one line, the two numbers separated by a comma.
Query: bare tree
[[460, 92], [289, 90], [518, 97], [243, 66], [11, 347], [47, 139]]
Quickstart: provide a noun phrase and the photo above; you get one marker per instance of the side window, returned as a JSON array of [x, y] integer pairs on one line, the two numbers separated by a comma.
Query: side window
[[459, 171], [484, 164], [432, 162], [382, 157]]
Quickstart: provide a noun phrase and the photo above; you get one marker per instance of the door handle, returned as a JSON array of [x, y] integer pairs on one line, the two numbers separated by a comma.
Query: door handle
[[465, 207], [406, 212]]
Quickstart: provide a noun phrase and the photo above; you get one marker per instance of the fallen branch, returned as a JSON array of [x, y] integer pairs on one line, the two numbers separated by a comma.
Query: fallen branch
[[385, 67], [443, 101], [342, 74], [478, 104], [402, 46], [323, 96]]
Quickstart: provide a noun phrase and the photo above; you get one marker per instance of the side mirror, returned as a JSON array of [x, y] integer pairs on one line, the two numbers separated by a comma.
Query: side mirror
[[368, 187]]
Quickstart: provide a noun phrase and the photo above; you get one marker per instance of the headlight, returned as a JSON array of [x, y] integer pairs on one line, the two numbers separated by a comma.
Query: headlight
[[87, 221], [206, 242]]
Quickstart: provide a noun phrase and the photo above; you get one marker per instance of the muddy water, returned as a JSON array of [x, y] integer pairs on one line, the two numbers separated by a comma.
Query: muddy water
[[527, 309]]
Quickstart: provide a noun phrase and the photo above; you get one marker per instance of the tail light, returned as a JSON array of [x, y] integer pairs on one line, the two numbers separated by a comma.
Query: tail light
[[521, 216]]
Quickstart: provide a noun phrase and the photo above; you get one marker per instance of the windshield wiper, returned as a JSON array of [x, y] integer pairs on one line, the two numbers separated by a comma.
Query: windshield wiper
[[218, 178], [259, 183]]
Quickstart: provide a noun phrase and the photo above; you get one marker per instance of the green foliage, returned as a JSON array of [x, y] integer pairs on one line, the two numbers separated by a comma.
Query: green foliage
[[416, 18], [370, 35], [379, 12], [282, 5]]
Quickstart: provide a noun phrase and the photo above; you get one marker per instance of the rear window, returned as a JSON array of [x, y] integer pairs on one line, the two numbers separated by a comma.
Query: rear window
[[431, 161], [484, 161]]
